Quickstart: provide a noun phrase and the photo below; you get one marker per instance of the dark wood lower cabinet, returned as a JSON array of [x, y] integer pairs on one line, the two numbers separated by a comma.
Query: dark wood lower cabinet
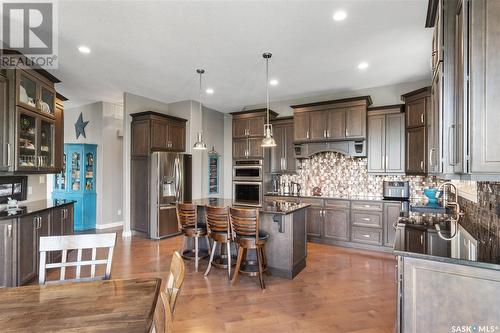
[[336, 224], [313, 217], [20, 239], [415, 240]]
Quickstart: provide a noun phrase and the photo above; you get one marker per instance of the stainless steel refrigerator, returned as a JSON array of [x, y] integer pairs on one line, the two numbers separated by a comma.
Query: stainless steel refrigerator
[[170, 183]]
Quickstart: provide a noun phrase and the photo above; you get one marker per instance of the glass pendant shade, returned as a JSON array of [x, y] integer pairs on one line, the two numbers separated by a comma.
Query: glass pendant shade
[[199, 144], [268, 140]]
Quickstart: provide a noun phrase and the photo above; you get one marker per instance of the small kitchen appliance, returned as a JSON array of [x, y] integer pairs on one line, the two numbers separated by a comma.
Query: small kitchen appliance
[[398, 191]]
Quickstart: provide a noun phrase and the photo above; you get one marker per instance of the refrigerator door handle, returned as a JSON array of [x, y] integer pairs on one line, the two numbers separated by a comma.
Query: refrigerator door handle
[[177, 175]]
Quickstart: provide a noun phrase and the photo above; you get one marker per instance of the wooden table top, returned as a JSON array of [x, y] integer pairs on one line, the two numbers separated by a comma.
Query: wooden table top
[[101, 306]]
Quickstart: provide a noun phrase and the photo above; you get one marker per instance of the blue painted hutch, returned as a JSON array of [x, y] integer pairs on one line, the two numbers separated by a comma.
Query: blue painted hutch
[[78, 182]]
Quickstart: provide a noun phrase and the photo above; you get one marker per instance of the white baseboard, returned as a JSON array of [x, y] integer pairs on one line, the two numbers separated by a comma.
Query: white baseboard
[[109, 225], [126, 234]]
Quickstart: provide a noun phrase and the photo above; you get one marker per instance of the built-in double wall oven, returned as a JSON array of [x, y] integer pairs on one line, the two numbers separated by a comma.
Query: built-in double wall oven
[[247, 183]]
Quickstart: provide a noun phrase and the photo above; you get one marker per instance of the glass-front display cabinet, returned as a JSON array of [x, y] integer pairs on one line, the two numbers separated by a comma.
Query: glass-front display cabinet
[[35, 94], [78, 182]]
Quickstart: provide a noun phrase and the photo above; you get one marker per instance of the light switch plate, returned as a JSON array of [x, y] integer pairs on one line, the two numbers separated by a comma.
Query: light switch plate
[[42, 179], [30, 190]]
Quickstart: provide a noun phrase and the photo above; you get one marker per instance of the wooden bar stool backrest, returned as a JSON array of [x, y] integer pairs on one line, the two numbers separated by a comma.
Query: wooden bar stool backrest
[[217, 219], [244, 222], [79, 243], [175, 279], [163, 315], [187, 216]]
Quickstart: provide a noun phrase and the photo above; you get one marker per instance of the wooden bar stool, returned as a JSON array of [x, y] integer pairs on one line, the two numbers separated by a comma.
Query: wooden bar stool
[[218, 228], [187, 219], [245, 229]]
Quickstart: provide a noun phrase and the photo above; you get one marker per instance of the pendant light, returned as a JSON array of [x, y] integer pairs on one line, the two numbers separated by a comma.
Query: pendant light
[[199, 144], [268, 140]]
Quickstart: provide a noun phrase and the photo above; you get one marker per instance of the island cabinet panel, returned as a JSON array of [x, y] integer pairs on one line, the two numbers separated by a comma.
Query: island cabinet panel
[[7, 235], [301, 126], [336, 224], [27, 249]]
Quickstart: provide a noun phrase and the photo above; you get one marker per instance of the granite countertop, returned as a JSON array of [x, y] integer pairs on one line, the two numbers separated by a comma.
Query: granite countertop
[[27, 208], [341, 197], [267, 208], [401, 248]]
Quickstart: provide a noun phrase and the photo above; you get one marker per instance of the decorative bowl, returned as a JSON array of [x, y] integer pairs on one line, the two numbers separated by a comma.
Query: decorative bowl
[[430, 193]]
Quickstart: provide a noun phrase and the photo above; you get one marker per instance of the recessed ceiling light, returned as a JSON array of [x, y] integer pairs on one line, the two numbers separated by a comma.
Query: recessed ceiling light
[[339, 15], [84, 49], [273, 82], [209, 91], [363, 65]]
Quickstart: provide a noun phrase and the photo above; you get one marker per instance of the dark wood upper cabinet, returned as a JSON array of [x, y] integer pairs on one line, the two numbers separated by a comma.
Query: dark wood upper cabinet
[[255, 149], [248, 131], [153, 131], [59, 137], [331, 120], [240, 128], [415, 113], [240, 148], [416, 156], [282, 157], [256, 126], [5, 144]]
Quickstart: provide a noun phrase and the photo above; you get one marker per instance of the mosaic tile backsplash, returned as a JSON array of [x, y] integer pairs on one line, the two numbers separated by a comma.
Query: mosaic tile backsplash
[[482, 220], [338, 175]]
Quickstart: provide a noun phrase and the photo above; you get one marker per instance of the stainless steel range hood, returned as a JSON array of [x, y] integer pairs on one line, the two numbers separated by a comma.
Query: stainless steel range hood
[[349, 148]]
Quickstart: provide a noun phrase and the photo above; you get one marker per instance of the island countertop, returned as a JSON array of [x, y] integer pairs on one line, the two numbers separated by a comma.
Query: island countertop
[[282, 208], [27, 208]]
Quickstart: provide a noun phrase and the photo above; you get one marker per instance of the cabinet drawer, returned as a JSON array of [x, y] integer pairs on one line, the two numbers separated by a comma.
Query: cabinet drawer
[[336, 203], [367, 219], [367, 235], [367, 205], [312, 202]]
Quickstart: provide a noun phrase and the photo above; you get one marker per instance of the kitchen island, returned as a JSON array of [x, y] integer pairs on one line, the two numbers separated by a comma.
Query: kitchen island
[[286, 248]]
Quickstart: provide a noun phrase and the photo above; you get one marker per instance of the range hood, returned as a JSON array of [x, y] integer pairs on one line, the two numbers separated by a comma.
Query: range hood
[[349, 148]]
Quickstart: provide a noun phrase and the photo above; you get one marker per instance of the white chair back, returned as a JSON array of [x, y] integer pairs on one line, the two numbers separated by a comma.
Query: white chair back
[[79, 243]]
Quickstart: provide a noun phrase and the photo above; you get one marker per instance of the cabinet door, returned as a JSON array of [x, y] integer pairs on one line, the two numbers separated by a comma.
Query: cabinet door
[[314, 221], [240, 148], [4, 126], [433, 160], [27, 129], [301, 126], [46, 145], [437, 246], [318, 122], [256, 126], [6, 253], [415, 151], [355, 122], [255, 149], [68, 220], [27, 251], [290, 162], [336, 124], [177, 136], [140, 138], [159, 134], [140, 194], [395, 143], [415, 240], [240, 127], [59, 138], [376, 144], [336, 224], [277, 153], [391, 216], [455, 148], [415, 112], [27, 90]]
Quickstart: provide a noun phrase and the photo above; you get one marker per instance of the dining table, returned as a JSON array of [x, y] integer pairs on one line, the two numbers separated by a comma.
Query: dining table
[[125, 305]]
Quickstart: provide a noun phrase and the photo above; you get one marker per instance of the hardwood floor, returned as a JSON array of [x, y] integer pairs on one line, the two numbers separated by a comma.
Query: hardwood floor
[[340, 290]]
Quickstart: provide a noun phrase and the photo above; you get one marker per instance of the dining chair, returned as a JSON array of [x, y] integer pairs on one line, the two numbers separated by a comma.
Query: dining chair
[[175, 279], [187, 219], [79, 243], [162, 316], [245, 229]]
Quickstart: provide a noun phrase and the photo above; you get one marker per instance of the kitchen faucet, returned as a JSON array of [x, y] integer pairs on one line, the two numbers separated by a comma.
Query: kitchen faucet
[[455, 216]]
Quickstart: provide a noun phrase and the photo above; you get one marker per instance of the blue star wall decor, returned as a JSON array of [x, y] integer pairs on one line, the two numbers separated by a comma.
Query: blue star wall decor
[[80, 127]]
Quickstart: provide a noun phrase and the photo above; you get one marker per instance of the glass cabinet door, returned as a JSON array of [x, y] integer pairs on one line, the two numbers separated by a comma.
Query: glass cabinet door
[[27, 140], [47, 100], [89, 172], [46, 146], [27, 92], [75, 181]]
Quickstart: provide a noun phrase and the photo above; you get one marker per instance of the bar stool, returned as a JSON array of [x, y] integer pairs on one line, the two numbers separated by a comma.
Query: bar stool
[[187, 219], [217, 219], [245, 229]]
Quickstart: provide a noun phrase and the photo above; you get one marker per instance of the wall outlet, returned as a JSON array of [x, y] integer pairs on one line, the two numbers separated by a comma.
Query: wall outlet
[[30, 190], [119, 212], [42, 179]]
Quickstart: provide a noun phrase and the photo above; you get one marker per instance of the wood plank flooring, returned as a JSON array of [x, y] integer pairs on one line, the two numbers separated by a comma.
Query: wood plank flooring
[[340, 290]]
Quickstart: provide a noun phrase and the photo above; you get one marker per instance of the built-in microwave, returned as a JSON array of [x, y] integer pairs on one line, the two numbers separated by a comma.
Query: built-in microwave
[[247, 193], [247, 171]]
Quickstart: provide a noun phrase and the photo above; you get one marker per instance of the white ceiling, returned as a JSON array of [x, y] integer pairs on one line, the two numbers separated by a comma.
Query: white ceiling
[[153, 48]]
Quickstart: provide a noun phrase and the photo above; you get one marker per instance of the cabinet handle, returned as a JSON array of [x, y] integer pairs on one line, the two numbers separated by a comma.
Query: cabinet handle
[[386, 161], [346, 132], [422, 118], [422, 165], [383, 162], [327, 133], [366, 206], [365, 235], [8, 155], [451, 153], [421, 239], [324, 133], [9, 231], [366, 219], [307, 134]]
